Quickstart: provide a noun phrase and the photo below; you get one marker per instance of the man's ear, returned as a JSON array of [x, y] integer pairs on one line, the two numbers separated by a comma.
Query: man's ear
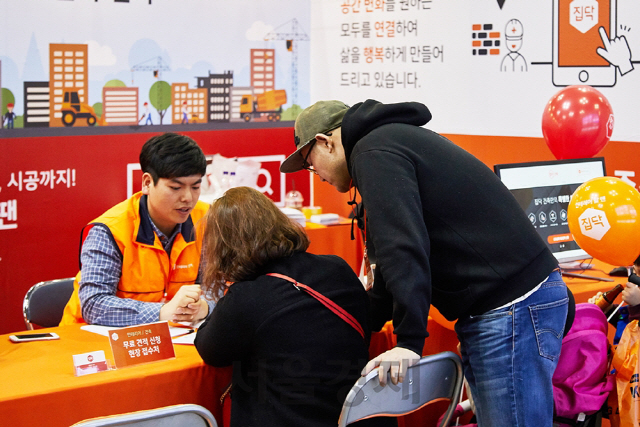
[[324, 140], [147, 181]]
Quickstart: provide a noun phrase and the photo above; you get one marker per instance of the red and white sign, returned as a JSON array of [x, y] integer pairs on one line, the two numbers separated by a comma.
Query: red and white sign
[[141, 344], [90, 363]]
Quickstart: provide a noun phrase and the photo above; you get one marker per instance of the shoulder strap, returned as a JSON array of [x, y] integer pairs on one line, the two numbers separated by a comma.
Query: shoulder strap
[[342, 313]]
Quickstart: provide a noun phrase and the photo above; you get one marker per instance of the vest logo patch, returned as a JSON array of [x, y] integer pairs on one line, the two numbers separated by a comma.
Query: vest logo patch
[[182, 266]]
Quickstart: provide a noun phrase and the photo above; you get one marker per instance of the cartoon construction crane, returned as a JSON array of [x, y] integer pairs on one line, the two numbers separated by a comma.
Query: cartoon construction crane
[[157, 67], [295, 35]]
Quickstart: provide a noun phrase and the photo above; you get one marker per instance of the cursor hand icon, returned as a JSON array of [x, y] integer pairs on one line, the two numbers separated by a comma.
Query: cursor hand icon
[[616, 51]]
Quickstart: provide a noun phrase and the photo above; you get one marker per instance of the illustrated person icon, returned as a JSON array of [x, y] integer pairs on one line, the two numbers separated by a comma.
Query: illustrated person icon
[[513, 61], [185, 116], [9, 116], [147, 114]]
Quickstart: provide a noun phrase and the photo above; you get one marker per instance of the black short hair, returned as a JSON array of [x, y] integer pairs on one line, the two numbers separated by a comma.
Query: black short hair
[[171, 155], [637, 261]]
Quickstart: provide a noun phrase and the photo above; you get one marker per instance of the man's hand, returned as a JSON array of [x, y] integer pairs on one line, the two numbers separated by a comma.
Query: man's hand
[[594, 298], [631, 294], [185, 306], [395, 361]]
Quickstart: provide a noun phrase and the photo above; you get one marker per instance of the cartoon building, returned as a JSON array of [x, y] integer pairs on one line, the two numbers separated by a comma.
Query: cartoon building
[[218, 88], [237, 93], [36, 104], [191, 101], [120, 106], [67, 75], [263, 70]]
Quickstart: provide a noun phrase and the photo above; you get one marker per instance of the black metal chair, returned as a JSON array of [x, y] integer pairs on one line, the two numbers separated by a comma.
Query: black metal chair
[[432, 378], [45, 301], [187, 415]]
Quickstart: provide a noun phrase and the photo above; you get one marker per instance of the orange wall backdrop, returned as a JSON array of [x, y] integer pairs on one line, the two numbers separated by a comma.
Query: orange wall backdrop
[[45, 244], [492, 150]]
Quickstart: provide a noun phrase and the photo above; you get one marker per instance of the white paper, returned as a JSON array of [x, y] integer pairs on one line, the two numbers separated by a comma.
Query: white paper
[[185, 339], [104, 330]]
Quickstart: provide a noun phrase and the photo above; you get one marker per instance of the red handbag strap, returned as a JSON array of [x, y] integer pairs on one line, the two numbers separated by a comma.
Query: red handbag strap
[[342, 313]]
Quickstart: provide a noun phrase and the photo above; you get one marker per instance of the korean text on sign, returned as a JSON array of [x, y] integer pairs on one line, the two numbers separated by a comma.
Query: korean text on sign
[[380, 80], [141, 344], [9, 212], [369, 6], [31, 180]]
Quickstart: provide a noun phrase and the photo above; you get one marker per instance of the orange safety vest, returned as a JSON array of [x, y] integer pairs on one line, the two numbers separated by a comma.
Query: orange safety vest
[[148, 273]]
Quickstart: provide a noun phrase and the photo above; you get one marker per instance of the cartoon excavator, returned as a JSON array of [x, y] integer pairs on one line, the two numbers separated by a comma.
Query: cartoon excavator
[[73, 109]]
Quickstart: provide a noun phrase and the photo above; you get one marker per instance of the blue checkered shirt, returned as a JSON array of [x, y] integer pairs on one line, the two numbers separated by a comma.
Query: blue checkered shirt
[[101, 271]]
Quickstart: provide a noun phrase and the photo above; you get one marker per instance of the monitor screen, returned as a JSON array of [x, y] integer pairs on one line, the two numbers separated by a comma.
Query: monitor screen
[[543, 190]]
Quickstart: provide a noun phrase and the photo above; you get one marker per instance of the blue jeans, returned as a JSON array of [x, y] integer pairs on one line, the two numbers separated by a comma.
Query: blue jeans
[[509, 356]]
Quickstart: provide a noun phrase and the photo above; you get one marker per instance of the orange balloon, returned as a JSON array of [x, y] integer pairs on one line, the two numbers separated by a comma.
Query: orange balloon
[[604, 218]]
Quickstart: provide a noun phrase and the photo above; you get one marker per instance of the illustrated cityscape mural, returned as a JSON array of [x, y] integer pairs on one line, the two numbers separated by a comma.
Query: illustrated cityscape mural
[[85, 64]]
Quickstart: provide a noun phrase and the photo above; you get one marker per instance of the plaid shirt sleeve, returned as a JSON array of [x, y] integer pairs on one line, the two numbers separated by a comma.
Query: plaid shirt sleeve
[[101, 271]]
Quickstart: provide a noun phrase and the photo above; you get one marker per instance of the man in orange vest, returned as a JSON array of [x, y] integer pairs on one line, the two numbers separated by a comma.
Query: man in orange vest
[[140, 259]]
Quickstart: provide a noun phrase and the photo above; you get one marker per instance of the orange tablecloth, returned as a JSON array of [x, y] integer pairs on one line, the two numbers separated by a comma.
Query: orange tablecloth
[[583, 288], [39, 386], [335, 240]]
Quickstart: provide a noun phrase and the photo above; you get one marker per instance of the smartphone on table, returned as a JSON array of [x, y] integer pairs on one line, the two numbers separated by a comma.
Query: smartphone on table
[[34, 337]]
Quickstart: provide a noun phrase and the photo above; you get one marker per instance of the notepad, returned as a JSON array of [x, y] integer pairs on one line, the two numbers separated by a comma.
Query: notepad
[[325, 219]]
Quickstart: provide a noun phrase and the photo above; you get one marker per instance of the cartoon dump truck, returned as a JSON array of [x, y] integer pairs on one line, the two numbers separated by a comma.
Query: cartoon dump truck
[[264, 105], [73, 109]]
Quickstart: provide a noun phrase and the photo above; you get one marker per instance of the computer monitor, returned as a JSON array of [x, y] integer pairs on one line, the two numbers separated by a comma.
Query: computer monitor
[[543, 190]]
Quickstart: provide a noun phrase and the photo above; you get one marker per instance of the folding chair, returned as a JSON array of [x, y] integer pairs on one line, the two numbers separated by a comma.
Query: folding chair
[[432, 378], [187, 415], [44, 303]]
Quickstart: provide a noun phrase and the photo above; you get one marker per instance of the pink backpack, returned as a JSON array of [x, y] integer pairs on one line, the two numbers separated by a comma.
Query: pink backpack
[[581, 383]]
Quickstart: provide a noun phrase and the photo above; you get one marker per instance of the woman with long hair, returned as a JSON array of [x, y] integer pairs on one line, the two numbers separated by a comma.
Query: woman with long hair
[[294, 360]]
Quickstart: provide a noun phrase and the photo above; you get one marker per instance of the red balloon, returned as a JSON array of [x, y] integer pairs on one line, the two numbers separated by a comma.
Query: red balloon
[[577, 122]]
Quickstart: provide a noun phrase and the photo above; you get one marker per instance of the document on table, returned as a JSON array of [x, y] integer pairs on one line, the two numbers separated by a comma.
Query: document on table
[[175, 331], [185, 339]]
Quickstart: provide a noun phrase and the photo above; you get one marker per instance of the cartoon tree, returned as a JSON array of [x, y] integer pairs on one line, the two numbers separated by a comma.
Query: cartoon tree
[[291, 113], [7, 98], [97, 108], [160, 97], [115, 83]]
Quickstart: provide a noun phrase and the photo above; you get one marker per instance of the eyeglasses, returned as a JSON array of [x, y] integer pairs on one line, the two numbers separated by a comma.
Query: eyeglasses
[[305, 163]]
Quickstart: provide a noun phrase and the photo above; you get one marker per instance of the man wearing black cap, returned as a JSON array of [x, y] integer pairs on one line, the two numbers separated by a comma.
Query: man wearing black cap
[[445, 231]]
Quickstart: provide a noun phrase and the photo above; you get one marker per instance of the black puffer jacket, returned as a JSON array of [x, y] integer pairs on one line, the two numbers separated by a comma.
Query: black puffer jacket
[[293, 359], [443, 228]]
